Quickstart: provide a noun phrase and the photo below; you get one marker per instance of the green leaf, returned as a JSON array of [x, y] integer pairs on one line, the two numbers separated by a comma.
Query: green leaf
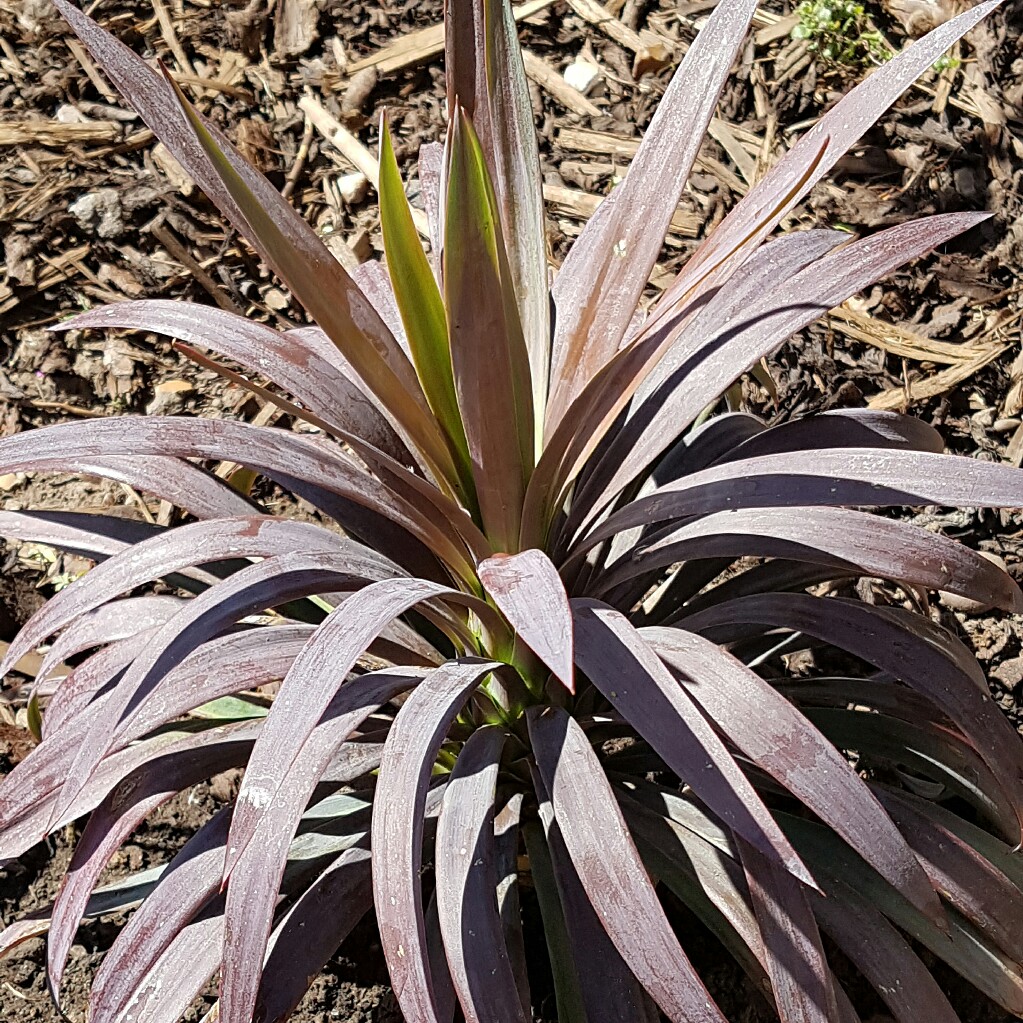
[[488, 352], [420, 304]]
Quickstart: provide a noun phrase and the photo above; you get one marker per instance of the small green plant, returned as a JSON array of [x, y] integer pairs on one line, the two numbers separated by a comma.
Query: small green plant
[[838, 30]]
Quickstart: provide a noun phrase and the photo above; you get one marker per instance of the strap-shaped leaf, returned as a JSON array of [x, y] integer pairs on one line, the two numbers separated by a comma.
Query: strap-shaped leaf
[[420, 304], [191, 879], [781, 741], [592, 981], [529, 592], [598, 287], [507, 832], [883, 956], [866, 477], [712, 351], [467, 884], [297, 463], [800, 975], [304, 363], [182, 971], [312, 930], [255, 873], [398, 808], [284, 240], [488, 355], [117, 897], [611, 870], [193, 544], [622, 665], [276, 580], [485, 74], [587, 423], [970, 882], [848, 541], [906, 646], [127, 805], [997, 975], [822, 147]]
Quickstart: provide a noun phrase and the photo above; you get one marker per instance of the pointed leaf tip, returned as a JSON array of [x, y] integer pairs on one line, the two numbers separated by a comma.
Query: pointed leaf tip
[[529, 592]]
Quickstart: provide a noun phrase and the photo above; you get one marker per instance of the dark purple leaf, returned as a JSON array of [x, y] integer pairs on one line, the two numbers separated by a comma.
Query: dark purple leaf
[[611, 870], [277, 579], [862, 477], [398, 809], [296, 462], [126, 806], [979, 890], [467, 884], [599, 286], [840, 539], [282, 238], [190, 880], [592, 981], [883, 956], [800, 975], [115, 620], [781, 741], [620, 663], [314, 679], [194, 544], [118, 897], [714, 353], [907, 646], [311, 932]]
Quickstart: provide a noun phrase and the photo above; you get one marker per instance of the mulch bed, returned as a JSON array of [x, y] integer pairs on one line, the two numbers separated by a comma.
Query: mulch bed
[[93, 211]]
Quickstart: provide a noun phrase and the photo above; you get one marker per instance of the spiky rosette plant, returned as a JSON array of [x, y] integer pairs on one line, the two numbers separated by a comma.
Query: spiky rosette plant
[[541, 651]]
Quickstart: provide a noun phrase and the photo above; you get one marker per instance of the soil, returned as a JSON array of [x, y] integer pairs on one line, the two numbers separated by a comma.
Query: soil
[[99, 214]]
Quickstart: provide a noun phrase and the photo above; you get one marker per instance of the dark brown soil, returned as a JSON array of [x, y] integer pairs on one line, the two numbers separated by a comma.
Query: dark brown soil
[[98, 220]]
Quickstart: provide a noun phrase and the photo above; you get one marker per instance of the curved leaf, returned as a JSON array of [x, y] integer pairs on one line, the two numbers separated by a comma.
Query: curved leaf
[[467, 884], [398, 808], [610, 869], [620, 663], [297, 361], [781, 741]]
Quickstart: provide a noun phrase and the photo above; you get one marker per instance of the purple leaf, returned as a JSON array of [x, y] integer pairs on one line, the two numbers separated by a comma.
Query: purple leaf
[[847, 541], [190, 880], [610, 869], [256, 871], [864, 477], [194, 544], [883, 956], [303, 363], [599, 286], [978, 889], [311, 932], [278, 579], [781, 741], [283, 239], [298, 463], [621, 664], [126, 806], [800, 975], [398, 808], [312, 682], [528, 591], [712, 353], [592, 981], [467, 884], [907, 646]]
